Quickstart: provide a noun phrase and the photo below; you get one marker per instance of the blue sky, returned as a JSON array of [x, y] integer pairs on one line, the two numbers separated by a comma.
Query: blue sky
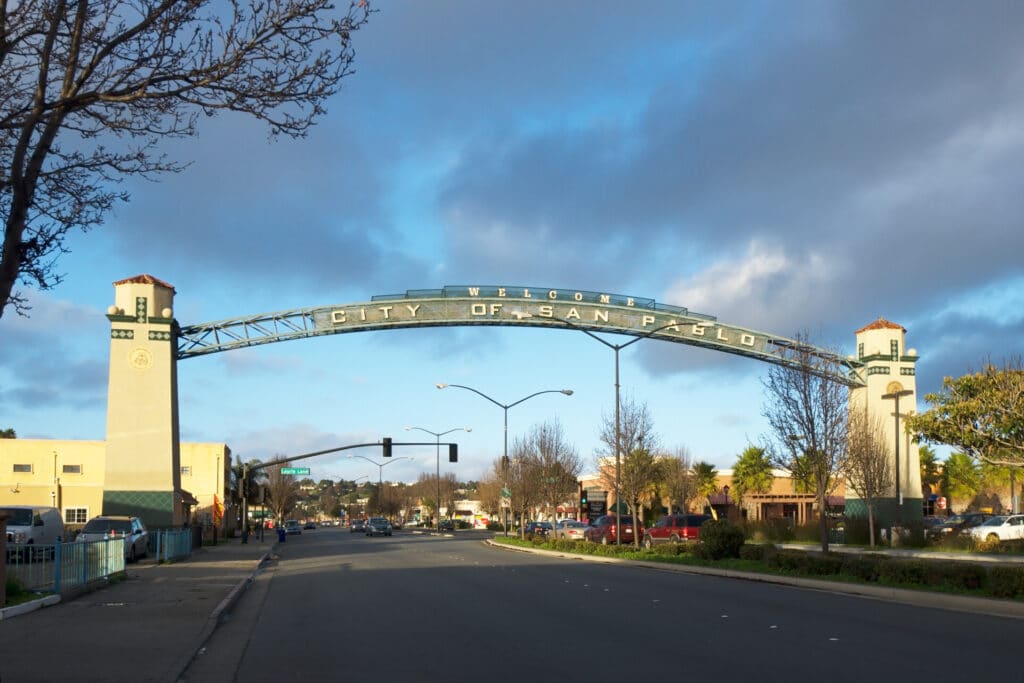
[[808, 166]]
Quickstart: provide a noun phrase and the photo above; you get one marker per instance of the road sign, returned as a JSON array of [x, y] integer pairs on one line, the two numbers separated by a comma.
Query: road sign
[[294, 470]]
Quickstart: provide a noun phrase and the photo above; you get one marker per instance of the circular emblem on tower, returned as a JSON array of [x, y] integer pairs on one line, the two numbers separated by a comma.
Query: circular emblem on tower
[[140, 359]]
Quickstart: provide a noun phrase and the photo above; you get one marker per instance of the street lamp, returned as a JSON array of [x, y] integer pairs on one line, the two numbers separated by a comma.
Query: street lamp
[[438, 436], [618, 435], [895, 396], [505, 407], [380, 474]]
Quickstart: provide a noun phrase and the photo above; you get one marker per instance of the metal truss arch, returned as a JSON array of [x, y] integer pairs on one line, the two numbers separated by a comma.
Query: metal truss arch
[[513, 307]]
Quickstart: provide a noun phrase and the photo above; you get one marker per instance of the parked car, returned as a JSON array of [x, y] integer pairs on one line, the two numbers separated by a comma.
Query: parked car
[[602, 529], [378, 526], [1000, 528], [104, 527], [309, 525], [541, 529], [292, 526], [956, 525], [447, 525], [677, 528], [570, 530], [357, 525]]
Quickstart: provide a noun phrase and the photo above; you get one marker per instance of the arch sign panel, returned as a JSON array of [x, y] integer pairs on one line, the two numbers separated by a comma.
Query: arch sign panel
[[497, 305]]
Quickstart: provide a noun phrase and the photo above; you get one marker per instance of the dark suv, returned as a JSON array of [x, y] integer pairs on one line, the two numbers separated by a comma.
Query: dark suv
[[675, 529], [956, 526], [602, 530], [541, 529]]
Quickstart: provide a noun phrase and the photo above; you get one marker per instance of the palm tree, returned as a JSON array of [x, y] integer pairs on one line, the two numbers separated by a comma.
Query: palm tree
[[961, 476], [752, 473], [706, 477]]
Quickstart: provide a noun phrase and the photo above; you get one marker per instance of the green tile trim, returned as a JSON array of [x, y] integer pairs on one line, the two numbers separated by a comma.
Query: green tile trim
[[159, 336], [140, 309], [154, 508], [122, 334], [121, 318]]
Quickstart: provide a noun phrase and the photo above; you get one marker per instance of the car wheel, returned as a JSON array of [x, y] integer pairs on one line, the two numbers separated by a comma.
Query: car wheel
[[648, 542], [674, 538], [992, 538], [131, 553]]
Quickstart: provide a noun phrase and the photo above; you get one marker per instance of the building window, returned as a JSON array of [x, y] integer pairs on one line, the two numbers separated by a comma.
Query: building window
[[72, 469], [186, 471], [894, 349], [76, 515], [27, 469], [860, 350]]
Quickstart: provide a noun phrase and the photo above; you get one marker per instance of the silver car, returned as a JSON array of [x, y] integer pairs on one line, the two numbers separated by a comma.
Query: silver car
[[105, 527], [569, 530], [378, 526]]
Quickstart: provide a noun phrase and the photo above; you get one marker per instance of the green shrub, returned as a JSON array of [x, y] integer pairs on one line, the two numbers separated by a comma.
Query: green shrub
[[865, 568], [719, 539], [670, 549], [903, 571], [753, 551], [775, 530], [1005, 582]]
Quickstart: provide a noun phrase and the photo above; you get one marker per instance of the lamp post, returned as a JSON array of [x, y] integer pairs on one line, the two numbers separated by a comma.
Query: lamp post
[[380, 474], [618, 436], [438, 435], [505, 407], [895, 396]]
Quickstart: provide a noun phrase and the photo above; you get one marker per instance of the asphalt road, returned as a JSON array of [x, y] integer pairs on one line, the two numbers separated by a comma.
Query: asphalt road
[[412, 607]]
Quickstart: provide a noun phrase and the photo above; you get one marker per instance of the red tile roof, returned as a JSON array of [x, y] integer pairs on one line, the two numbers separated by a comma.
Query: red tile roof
[[145, 280], [881, 324]]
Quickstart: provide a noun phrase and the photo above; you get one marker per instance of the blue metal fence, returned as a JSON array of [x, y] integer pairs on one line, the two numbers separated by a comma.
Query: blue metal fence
[[68, 567]]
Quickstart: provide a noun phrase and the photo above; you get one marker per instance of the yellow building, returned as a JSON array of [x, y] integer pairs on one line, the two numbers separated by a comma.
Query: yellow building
[[71, 476]]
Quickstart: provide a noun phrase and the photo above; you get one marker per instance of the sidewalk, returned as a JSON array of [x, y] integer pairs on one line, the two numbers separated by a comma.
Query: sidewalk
[[147, 626]]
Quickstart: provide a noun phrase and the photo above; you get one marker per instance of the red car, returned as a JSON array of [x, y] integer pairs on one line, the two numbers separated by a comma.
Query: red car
[[602, 530], [675, 529]]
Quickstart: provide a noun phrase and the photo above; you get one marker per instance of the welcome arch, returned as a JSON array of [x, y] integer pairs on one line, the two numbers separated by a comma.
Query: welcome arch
[[147, 343]]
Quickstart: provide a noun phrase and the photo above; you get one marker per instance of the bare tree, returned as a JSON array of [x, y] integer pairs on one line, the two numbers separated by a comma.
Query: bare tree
[[868, 470], [681, 485], [807, 412], [638, 471], [555, 463], [283, 491], [77, 75], [522, 480]]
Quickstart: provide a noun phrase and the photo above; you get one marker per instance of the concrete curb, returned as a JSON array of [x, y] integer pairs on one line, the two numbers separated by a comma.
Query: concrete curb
[[26, 607], [957, 603], [215, 617]]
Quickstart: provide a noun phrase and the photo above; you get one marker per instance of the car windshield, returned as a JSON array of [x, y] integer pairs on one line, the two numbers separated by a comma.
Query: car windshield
[[17, 516], [103, 526], [573, 525], [995, 521]]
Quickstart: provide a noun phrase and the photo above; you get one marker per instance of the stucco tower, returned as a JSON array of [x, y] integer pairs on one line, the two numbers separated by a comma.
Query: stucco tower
[[889, 371], [143, 457]]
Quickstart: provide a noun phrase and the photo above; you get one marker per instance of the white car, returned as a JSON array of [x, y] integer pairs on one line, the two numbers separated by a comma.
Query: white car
[[105, 527], [1000, 528]]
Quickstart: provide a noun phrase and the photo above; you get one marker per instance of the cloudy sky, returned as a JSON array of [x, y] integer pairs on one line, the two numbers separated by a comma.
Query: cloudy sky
[[805, 166]]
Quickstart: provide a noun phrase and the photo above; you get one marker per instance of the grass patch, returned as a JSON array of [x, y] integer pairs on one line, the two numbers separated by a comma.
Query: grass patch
[[941, 576]]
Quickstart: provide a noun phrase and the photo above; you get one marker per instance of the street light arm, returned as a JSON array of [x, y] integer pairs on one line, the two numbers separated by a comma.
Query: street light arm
[[440, 434], [478, 393], [567, 392]]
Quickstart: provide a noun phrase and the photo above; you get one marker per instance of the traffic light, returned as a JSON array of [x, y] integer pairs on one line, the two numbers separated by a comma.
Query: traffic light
[[583, 500], [387, 446], [453, 452]]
